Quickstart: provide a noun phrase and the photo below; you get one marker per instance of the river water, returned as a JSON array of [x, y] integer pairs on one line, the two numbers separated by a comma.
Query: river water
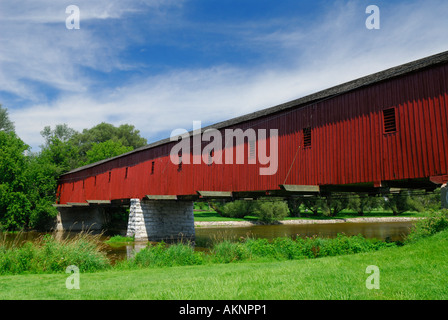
[[388, 231]]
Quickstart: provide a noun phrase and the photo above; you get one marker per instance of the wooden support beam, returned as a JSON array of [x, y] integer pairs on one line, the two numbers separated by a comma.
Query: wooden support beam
[[98, 201], [395, 190], [161, 197], [300, 189], [78, 204], [215, 194], [62, 205]]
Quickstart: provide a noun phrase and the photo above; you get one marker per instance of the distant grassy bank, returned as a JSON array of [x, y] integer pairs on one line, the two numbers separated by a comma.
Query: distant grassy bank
[[213, 216]]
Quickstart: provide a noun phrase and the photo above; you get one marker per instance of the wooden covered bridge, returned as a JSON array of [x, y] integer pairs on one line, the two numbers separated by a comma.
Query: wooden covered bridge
[[385, 130]]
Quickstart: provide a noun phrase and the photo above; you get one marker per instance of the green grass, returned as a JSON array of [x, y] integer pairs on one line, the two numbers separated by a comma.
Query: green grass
[[119, 240], [414, 271], [214, 216]]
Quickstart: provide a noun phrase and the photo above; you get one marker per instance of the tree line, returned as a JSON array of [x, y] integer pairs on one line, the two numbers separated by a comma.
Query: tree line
[[272, 209], [28, 180]]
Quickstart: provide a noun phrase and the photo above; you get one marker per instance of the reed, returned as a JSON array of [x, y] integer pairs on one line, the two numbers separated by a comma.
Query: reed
[[52, 254]]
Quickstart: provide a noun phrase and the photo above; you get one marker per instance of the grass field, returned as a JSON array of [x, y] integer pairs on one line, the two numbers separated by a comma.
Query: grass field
[[414, 271]]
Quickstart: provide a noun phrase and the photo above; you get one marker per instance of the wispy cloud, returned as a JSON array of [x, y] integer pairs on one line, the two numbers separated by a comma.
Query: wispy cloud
[[294, 60]]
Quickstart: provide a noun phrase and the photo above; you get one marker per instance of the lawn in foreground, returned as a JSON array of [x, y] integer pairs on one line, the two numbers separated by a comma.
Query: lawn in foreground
[[415, 271]]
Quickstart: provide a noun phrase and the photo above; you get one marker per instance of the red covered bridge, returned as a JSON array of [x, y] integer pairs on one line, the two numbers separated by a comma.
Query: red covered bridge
[[385, 130]]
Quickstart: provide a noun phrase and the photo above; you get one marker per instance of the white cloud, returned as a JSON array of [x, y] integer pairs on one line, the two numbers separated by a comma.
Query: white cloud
[[335, 49]]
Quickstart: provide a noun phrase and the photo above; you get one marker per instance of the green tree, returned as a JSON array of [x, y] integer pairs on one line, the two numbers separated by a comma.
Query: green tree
[[41, 175], [362, 203], [400, 202], [126, 134], [5, 123], [237, 209], [14, 205], [294, 206], [270, 210], [314, 204], [105, 150], [61, 132], [335, 203]]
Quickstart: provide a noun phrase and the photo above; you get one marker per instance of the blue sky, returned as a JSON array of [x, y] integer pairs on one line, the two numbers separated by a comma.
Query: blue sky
[[160, 65]]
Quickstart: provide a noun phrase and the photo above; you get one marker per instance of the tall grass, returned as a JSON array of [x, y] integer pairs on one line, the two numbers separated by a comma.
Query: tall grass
[[162, 255], [250, 249], [48, 254]]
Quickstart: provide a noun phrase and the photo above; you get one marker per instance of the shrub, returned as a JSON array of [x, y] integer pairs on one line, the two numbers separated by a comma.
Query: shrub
[[435, 222], [237, 209], [271, 210]]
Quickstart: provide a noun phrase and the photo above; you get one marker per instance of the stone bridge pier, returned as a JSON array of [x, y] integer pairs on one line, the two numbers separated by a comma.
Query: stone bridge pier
[[152, 220], [157, 220]]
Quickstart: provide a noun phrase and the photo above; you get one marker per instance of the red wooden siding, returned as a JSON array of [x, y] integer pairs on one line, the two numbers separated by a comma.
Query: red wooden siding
[[348, 146]]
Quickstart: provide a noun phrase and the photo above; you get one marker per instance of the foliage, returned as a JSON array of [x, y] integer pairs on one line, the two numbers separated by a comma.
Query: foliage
[[49, 255], [14, 205], [58, 151], [435, 222], [162, 255], [314, 204], [120, 239], [334, 204], [28, 181], [401, 202], [270, 210], [6, 124], [125, 134], [227, 251], [105, 150], [201, 206], [412, 272], [237, 209], [362, 203], [294, 206]]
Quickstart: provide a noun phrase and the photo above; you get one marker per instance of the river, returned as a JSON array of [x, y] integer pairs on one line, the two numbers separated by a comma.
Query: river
[[388, 231]]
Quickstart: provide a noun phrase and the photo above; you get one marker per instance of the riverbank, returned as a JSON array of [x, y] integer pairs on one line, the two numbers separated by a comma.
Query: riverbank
[[411, 272], [211, 224]]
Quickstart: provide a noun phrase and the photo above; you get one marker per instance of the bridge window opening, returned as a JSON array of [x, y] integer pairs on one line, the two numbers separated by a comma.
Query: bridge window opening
[[390, 123], [110, 174], [83, 184], [95, 182], [152, 167], [126, 173], [307, 137]]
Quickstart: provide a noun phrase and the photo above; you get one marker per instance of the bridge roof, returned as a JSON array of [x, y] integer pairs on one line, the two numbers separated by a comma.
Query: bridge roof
[[394, 72]]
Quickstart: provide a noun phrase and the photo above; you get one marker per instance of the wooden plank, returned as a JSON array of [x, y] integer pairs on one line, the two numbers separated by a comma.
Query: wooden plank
[[98, 201], [215, 194], [62, 206], [161, 197], [78, 204], [300, 188]]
